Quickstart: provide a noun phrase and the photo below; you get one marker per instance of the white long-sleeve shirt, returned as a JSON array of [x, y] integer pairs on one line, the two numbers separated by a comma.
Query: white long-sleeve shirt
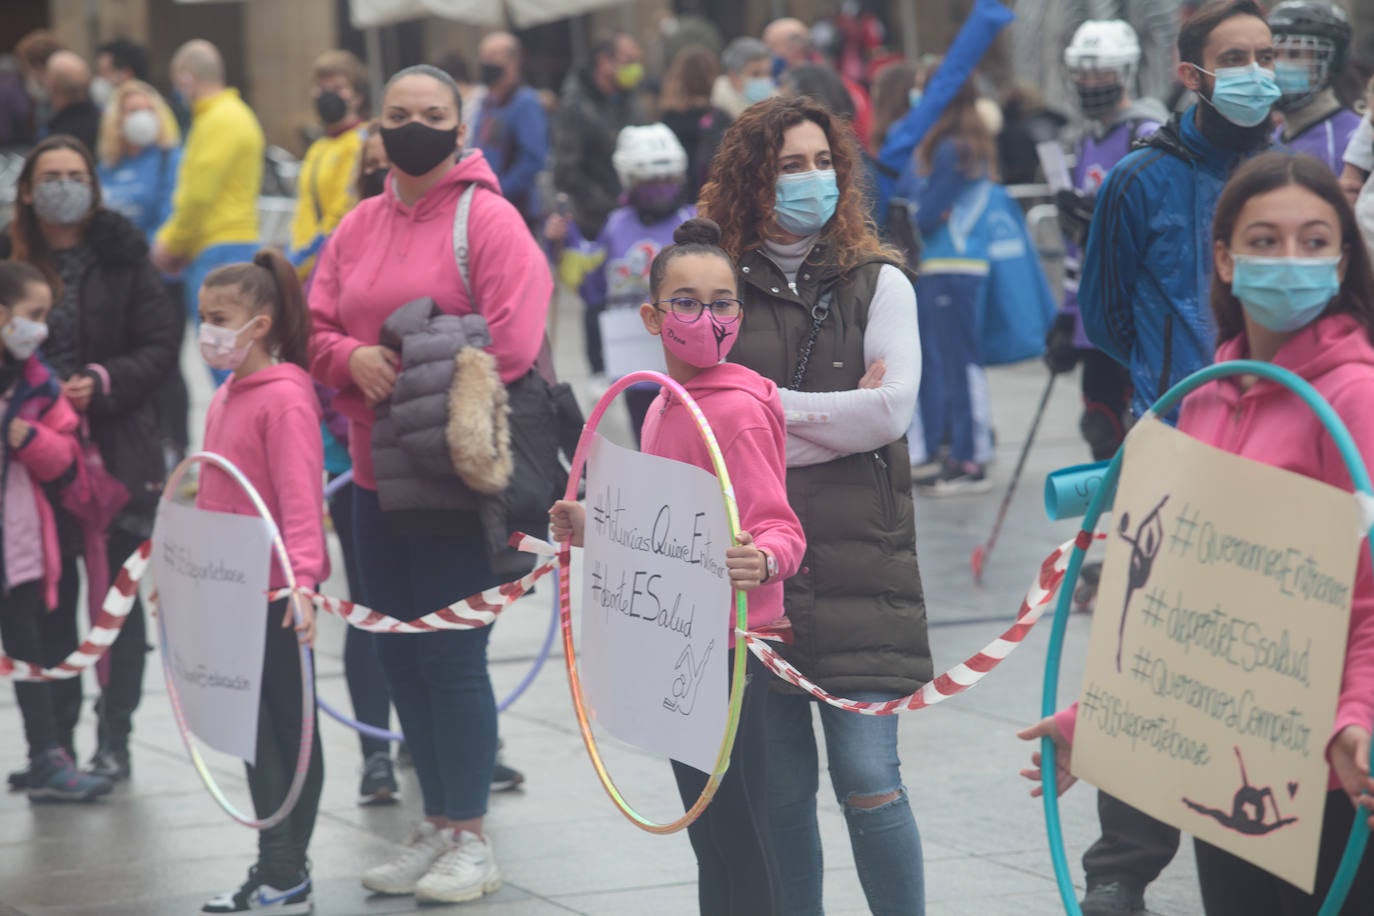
[[1360, 151], [825, 425]]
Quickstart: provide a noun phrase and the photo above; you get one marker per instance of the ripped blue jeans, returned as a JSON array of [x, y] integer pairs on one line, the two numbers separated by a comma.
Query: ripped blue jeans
[[862, 751]]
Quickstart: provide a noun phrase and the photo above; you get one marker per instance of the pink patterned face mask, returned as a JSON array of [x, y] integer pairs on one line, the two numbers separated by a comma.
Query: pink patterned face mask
[[702, 343]]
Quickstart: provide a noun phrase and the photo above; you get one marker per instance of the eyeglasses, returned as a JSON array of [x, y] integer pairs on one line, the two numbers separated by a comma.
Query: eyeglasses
[[688, 309]]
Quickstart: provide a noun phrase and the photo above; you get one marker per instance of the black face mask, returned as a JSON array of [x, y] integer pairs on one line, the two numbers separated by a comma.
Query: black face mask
[[417, 148], [331, 107], [1099, 102], [372, 183], [492, 74]]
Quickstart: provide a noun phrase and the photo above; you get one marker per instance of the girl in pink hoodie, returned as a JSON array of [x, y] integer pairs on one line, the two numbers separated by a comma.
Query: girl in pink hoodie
[[39, 447], [696, 311], [265, 419], [1293, 286]]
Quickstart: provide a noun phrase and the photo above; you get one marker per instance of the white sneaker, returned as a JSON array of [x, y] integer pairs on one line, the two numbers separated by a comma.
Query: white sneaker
[[465, 872], [403, 873]]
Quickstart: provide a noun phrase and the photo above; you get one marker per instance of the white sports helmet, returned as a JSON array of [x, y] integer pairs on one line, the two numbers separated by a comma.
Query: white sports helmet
[[1103, 44], [648, 152]]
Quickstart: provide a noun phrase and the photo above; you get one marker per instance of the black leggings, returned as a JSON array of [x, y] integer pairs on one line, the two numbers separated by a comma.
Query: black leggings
[[282, 849], [1233, 887], [736, 872], [21, 617]]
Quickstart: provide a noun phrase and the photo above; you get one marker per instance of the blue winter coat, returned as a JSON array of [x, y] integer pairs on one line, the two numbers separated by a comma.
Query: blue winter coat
[[140, 187], [1147, 269]]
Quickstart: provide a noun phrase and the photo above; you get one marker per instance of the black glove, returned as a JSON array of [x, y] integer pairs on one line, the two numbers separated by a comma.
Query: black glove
[[1075, 215], [1061, 354]]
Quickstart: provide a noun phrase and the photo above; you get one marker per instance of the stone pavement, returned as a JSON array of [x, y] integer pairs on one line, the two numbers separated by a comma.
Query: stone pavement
[[159, 845]]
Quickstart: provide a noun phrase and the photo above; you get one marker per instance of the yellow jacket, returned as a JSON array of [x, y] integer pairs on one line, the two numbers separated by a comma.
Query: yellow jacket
[[216, 199], [324, 190]]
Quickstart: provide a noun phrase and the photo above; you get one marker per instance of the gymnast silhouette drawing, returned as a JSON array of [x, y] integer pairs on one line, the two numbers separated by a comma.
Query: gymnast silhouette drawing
[[687, 683], [1149, 537], [1248, 808]]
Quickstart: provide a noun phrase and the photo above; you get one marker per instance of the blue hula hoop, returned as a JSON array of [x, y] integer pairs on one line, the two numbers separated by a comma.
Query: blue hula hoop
[[516, 693], [1359, 831]]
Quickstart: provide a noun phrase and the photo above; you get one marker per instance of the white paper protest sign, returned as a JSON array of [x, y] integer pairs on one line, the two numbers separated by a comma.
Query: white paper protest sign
[[656, 604], [1217, 648], [211, 570]]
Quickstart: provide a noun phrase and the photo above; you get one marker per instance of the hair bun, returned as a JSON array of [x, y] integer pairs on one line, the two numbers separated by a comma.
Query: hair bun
[[697, 231]]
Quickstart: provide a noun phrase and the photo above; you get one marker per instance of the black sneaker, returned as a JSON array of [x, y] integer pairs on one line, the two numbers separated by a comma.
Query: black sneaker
[[19, 780], [256, 895], [957, 478], [379, 781], [504, 778], [1113, 899], [110, 763]]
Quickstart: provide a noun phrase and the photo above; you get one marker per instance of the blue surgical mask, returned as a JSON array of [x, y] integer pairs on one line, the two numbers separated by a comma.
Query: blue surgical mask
[[914, 97], [1293, 78], [1243, 95], [806, 201], [1284, 294], [758, 89]]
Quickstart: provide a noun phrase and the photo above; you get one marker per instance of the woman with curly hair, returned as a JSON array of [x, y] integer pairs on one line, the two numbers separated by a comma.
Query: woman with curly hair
[[832, 322]]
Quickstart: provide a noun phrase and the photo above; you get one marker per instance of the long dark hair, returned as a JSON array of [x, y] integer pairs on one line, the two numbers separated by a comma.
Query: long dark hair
[[1269, 172], [28, 243], [741, 192], [271, 282]]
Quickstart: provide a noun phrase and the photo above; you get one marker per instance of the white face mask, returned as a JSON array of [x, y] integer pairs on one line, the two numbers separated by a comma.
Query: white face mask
[[101, 91], [220, 346], [140, 128], [23, 337]]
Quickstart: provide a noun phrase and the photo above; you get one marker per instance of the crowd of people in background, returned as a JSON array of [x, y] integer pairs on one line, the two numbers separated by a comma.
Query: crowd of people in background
[[724, 204]]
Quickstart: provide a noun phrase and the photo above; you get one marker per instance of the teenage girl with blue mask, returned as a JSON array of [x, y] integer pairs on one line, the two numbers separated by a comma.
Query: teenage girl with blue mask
[[1292, 286], [832, 322]]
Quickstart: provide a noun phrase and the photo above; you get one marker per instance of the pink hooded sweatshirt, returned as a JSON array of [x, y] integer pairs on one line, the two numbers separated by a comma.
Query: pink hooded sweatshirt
[[386, 253], [268, 425], [745, 413], [1269, 424]]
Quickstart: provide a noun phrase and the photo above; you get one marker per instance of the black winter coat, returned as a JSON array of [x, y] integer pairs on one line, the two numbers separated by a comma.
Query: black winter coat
[[127, 324]]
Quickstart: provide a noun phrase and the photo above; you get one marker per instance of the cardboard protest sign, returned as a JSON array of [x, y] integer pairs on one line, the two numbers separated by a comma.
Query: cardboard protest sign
[[1217, 648], [211, 570], [656, 603]]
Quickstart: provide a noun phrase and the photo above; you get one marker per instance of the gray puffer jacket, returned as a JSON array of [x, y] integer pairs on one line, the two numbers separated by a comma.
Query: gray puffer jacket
[[417, 483]]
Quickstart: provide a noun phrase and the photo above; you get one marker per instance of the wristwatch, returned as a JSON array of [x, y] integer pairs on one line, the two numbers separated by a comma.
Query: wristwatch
[[770, 565]]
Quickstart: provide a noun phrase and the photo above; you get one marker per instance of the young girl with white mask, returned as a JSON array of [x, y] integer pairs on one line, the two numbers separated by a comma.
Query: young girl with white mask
[[1292, 286], [266, 420], [39, 447]]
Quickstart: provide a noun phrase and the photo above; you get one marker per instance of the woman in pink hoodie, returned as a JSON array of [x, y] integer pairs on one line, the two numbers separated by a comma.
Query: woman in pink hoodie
[[390, 250], [265, 419], [1292, 286], [696, 311]]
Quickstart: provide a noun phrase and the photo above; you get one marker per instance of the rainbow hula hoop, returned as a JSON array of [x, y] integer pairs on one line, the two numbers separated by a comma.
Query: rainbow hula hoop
[[293, 794], [1359, 831], [727, 743]]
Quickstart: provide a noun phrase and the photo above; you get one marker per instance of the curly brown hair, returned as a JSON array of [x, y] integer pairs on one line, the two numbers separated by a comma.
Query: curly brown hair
[[739, 194]]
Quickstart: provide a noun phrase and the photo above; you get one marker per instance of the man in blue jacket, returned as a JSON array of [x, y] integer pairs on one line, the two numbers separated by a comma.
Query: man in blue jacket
[[511, 126], [1144, 299], [1148, 264]]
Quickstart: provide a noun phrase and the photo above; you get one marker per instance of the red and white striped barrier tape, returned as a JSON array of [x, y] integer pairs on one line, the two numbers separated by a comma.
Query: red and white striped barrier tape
[[962, 676], [471, 613], [119, 600]]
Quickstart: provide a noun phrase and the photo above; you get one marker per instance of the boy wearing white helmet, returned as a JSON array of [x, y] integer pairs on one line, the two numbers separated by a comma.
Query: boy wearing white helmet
[[611, 272], [1101, 59]]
